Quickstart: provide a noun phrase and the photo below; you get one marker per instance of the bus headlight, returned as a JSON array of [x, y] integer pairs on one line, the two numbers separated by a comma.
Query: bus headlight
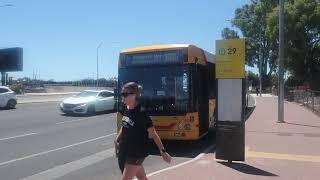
[[183, 126]]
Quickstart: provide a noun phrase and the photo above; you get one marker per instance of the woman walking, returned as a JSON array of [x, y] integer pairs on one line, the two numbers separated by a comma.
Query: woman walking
[[132, 139]]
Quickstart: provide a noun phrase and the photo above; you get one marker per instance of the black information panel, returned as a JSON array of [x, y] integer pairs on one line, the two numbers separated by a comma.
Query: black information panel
[[230, 141], [11, 59]]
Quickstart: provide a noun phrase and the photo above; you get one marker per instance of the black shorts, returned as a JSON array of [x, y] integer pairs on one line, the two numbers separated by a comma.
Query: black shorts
[[132, 161]]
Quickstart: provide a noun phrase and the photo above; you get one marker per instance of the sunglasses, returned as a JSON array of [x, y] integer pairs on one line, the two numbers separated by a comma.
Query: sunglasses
[[126, 94]]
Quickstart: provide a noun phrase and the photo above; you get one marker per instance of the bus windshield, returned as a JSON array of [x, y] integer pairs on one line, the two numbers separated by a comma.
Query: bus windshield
[[165, 89]]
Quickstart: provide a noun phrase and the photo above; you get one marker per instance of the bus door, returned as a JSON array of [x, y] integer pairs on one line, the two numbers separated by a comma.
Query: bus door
[[202, 98]]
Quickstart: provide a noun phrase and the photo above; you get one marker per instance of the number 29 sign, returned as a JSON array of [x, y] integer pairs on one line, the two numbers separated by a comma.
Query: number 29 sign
[[230, 58]]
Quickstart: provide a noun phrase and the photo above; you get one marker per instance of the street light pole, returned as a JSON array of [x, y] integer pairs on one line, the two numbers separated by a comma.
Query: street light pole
[[98, 63], [281, 59]]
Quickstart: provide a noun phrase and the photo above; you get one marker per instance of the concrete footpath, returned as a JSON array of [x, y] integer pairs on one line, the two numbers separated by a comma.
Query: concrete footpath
[[286, 151]]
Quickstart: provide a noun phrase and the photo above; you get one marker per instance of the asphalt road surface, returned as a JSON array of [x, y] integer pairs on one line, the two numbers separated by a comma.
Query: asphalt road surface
[[38, 142]]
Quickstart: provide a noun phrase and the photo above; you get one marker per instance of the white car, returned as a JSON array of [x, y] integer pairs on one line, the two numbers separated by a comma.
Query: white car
[[88, 102], [8, 98]]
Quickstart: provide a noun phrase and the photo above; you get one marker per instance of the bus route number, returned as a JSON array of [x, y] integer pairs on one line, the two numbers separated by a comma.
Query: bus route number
[[228, 51]]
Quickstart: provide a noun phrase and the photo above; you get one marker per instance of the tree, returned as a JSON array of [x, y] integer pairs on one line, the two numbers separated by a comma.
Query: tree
[[292, 82], [302, 39], [102, 82], [251, 19], [229, 34], [253, 78]]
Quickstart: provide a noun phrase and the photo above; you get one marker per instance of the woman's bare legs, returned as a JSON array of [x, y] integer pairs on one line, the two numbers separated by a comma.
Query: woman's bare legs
[[141, 174], [130, 171]]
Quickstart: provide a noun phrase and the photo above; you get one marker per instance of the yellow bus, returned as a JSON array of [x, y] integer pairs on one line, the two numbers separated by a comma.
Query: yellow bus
[[179, 88]]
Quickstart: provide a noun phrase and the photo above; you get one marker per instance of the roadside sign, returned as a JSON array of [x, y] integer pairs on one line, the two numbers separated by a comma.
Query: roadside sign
[[230, 59], [230, 126]]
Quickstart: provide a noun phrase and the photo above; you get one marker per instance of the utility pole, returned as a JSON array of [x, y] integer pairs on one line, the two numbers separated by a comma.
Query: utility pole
[[260, 70], [281, 59], [98, 63]]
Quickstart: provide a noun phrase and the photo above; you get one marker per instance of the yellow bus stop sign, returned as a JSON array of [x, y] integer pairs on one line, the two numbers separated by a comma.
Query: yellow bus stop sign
[[230, 58]]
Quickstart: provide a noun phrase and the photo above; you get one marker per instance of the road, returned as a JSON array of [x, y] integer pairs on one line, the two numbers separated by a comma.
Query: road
[[45, 97], [38, 142]]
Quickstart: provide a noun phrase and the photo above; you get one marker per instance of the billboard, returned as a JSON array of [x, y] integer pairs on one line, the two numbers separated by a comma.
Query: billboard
[[11, 59]]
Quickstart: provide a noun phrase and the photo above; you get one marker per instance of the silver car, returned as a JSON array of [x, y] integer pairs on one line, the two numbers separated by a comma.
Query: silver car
[[8, 98], [88, 102]]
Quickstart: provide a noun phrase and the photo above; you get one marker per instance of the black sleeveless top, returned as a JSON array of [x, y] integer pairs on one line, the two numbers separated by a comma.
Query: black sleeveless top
[[134, 141]]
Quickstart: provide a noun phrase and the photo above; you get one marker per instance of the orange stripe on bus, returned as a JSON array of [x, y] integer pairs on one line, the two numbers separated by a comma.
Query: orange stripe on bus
[[170, 126]]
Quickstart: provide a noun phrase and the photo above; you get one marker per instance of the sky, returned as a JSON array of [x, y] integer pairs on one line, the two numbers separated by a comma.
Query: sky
[[60, 38]]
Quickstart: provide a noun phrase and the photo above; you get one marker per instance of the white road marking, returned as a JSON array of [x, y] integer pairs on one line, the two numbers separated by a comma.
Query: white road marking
[[13, 137], [53, 150], [65, 169], [76, 120], [182, 164], [262, 95], [105, 144]]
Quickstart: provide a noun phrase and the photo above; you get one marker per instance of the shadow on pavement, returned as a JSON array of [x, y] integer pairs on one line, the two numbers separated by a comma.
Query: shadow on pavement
[[247, 169], [6, 109], [248, 112]]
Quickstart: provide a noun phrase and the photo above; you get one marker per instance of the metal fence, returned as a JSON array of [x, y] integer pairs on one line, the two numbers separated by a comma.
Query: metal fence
[[308, 98]]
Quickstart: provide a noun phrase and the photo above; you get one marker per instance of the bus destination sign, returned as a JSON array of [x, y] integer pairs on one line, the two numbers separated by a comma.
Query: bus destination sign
[[150, 58]]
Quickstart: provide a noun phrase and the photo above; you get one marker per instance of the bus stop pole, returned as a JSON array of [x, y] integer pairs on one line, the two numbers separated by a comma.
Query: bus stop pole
[[231, 98]]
